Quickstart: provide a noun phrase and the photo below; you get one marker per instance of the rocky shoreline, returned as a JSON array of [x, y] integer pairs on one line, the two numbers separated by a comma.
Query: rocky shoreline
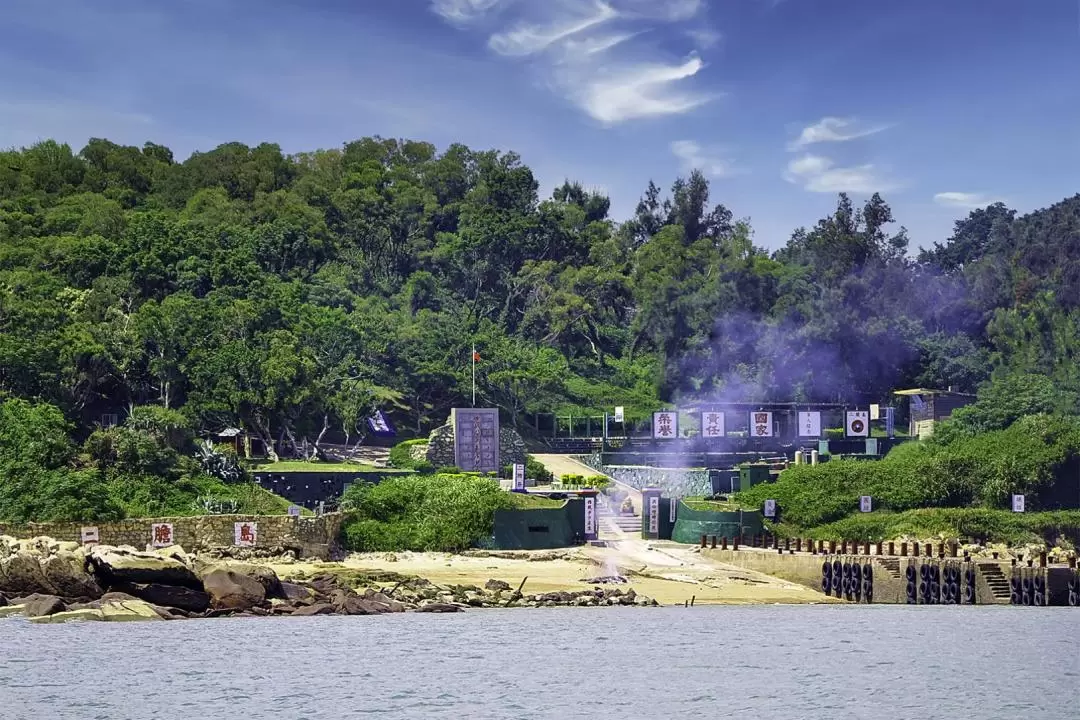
[[49, 581]]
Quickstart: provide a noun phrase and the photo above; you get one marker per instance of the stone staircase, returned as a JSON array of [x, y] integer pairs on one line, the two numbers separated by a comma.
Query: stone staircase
[[891, 566], [995, 580], [614, 523]]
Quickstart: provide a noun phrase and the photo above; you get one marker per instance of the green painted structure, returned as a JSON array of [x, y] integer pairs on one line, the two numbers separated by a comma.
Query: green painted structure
[[540, 528], [691, 524]]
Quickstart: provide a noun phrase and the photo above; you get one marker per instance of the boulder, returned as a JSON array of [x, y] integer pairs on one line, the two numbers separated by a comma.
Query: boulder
[[319, 609], [440, 608], [132, 610], [359, 606], [13, 609], [233, 591], [496, 585], [21, 573], [44, 605], [264, 575], [67, 573], [170, 596], [115, 566], [292, 591]]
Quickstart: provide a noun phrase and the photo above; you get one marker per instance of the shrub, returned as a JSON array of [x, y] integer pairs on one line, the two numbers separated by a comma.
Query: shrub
[[422, 513], [401, 454]]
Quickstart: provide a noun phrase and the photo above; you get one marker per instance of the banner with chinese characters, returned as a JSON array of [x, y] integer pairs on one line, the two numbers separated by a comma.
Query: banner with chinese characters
[[761, 424], [810, 424], [770, 508], [858, 423], [712, 425], [590, 518], [866, 504], [90, 536], [620, 413], [245, 534], [1018, 503], [665, 425], [654, 514], [672, 504], [476, 439], [161, 534], [519, 476]]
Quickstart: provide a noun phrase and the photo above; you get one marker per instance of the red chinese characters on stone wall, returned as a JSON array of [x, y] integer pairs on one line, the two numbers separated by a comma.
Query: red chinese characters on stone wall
[[161, 534]]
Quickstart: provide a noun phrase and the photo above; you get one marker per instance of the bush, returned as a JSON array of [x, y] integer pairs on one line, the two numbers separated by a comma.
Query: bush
[[401, 454], [599, 482], [983, 470], [421, 513]]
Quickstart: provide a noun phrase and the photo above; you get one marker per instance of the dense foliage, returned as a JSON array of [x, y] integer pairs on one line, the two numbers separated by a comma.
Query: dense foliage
[[422, 512], [292, 295], [144, 468]]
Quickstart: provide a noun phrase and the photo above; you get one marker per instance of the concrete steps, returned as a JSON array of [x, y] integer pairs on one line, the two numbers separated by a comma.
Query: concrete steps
[[891, 566], [616, 523], [995, 580]]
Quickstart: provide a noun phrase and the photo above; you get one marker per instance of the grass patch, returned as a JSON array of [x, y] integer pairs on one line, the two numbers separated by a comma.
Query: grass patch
[[1000, 526], [705, 505], [527, 501], [288, 466]]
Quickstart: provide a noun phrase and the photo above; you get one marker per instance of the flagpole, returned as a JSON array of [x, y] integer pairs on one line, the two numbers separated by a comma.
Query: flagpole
[[474, 375]]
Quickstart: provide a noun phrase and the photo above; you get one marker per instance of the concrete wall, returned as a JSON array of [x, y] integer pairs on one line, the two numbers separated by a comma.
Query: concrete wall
[[312, 537], [541, 528], [308, 489], [691, 524]]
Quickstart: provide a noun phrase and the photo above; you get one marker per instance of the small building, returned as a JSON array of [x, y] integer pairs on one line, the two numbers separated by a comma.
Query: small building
[[926, 407]]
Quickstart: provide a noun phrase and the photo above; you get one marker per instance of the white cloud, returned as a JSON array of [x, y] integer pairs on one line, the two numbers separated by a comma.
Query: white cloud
[[709, 161], [585, 50], [637, 91], [704, 38], [820, 174], [463, 11], [833, 129], [968, 201], [526, 39]]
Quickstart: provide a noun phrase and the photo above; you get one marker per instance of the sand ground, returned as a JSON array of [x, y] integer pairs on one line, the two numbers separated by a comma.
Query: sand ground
[[668, 572]]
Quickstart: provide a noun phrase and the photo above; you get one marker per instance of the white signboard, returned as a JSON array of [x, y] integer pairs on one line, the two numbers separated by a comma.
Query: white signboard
[[245, 534], [770, 508], [875, 412], [858, 423], [161, 534], [665, 425], [619, 413], [1018, 503], [865, 504], [712, 425], [590, 516], [761, 424], [294, 510], [672, 503], [654, 514], [519, 476], [810, 424], [90, 535]]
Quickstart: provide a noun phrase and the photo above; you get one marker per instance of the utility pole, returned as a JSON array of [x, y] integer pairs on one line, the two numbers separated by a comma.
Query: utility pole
[[474, 375]]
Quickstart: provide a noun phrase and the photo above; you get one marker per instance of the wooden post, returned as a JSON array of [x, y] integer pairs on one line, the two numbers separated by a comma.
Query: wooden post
[[723, 543], [798, 544], [1042, 559], [879, 548], [704, 539], [892, 548], [713, 542]]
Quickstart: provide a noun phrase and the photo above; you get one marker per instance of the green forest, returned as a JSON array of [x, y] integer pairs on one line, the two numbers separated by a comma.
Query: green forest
[[293, 295]]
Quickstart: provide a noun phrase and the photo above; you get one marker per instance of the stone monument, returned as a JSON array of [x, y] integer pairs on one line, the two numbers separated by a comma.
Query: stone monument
[[473, 441]]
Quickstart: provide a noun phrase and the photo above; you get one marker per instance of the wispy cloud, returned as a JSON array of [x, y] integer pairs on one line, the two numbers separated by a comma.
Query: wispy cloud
[[833, 129], [463, 11], [704, 38], [820, 174], [968, 201], [585, 51], [710, 161]]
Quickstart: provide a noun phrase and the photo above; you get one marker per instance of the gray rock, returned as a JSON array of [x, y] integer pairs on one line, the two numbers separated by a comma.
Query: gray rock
[[440, 608], [292, 591], [319, 609], [115, 565], [171, 596], [496, 585], [44, 605], [229, 590]]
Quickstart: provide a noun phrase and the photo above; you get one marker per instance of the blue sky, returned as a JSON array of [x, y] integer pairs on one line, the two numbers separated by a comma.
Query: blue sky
[[939, 104]]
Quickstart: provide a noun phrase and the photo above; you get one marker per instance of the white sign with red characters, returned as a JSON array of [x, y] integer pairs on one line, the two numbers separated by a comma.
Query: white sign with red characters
[[90, 536], [665, 425], [161, 534], [246, 533], [590, 516], [712, 425], [761, 424]]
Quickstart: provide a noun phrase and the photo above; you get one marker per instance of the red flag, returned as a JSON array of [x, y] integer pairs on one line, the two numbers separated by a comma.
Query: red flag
[[475, 356]]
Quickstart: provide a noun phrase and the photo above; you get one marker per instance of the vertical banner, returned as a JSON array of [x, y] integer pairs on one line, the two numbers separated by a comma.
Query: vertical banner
[[712, 425], [1018, 503], [858, 423], [761, 424], [672, 504], [875, 411], [665, 425], [161, 534], [619, 413], [654, 514], [890, 422], [865, 504], [90, 536], [770, 509], [810, 424], [245, 534], [590, 518], [519, 476]]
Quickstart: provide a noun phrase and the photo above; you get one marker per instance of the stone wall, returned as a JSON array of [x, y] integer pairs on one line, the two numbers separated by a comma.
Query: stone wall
[[440, 447], [308, 537]]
